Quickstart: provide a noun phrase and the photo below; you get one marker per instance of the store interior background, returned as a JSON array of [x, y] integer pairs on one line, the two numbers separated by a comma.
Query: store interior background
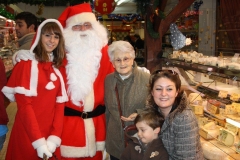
[[209, 34], [206, 29]]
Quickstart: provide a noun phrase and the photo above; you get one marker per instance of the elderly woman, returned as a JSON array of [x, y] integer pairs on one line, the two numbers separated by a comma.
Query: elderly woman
[[125, 92]]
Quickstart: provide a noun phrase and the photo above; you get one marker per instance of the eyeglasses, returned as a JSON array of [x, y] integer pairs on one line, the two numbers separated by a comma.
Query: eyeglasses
[[124, 60], [86, 25], [160, 70]]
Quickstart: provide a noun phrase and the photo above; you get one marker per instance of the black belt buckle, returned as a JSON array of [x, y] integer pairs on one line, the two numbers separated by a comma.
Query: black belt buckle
[[84, 115]]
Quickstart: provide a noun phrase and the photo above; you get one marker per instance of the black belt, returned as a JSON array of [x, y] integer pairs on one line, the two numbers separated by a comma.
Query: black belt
[[84, 115]]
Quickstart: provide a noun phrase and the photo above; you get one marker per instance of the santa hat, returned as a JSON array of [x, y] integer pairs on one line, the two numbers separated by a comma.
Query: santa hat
[[77, 14], [38, 33]]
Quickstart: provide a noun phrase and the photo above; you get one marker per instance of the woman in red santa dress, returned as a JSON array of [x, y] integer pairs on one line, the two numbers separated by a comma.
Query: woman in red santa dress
[[38, 88]]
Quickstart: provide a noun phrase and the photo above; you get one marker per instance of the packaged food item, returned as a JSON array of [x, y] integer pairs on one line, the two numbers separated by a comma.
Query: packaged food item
[[213, 106], [226, 137], [197, 109], [209, 131]]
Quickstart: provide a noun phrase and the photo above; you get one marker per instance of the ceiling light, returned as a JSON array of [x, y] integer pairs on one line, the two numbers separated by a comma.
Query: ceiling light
[[120, 2], [232, 122], [3, 17]]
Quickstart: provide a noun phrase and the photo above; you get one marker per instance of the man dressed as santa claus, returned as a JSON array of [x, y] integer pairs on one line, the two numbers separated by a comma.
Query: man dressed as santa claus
[[85, 68]]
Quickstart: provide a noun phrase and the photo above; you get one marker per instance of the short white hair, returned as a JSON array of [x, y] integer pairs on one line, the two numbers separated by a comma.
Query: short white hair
[[120, 47]]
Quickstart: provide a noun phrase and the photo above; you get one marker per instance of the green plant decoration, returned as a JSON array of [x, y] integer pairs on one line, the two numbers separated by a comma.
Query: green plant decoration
[[150, 30], [142, 6]]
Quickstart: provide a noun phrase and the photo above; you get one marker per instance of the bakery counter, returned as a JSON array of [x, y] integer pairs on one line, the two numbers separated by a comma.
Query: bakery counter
[[219, 137], [215, 100]]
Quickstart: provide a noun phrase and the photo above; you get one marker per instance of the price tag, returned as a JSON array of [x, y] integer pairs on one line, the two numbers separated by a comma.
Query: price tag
[[222, 94], [235, 96]]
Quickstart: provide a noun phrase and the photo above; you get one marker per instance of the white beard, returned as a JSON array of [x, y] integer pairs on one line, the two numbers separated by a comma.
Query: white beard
[[83, 55]]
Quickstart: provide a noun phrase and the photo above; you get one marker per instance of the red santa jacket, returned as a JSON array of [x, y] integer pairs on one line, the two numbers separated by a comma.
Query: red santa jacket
[[83, 137]]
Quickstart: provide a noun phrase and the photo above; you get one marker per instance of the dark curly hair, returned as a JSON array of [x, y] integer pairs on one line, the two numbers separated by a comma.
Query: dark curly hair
[[172, 76]]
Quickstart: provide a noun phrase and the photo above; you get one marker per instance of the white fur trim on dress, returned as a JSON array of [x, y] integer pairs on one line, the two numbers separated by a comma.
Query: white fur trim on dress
[[50, 86], [80, 18], [64, 97], [53, 77], [9, 91], [38, 34]]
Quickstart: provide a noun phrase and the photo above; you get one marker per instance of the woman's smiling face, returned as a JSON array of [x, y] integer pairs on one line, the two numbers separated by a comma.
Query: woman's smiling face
[[123, 63], [164, 92]]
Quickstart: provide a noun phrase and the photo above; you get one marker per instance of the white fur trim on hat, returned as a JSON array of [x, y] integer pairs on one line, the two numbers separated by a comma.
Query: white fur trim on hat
[[80, 18], [38, 33]]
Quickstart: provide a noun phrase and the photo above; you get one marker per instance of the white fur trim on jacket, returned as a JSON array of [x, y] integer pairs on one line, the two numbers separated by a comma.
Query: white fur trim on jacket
[[9, 91], [80, 18], [91, 145]]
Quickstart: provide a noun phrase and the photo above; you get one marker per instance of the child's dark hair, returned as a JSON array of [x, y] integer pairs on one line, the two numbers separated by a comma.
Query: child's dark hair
[[151, 117]]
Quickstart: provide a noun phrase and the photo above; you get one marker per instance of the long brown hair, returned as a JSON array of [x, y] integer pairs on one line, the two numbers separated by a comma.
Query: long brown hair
[[59, 52]]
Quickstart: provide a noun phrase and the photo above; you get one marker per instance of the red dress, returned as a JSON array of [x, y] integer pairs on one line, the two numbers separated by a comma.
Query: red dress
[[39, 92], [86, 137]]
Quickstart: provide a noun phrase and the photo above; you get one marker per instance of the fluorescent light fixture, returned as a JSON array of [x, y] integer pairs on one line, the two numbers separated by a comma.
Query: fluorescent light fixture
[[232, 122], [120, 2]]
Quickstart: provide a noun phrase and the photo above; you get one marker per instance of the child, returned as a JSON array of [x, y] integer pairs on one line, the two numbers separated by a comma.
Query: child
[[146, 144]]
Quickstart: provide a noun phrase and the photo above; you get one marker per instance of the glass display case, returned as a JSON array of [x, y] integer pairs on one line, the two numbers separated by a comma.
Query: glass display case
[[215, 100]]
